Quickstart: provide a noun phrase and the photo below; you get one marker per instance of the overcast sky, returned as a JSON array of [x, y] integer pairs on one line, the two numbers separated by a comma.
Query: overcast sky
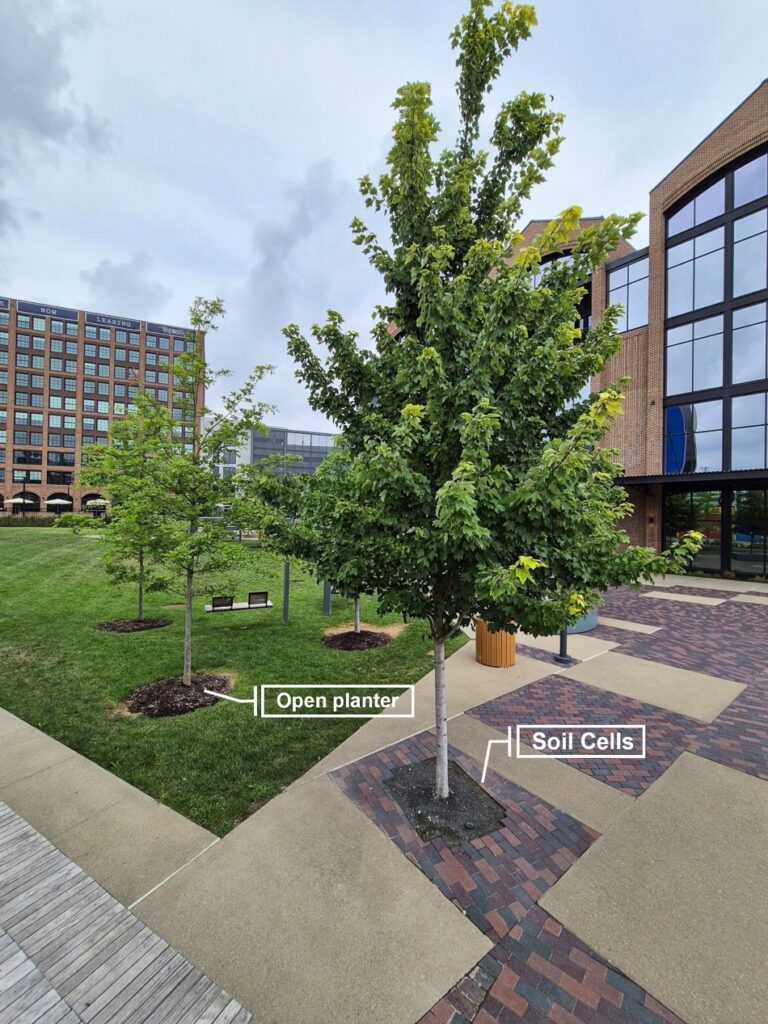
[[156, 150]]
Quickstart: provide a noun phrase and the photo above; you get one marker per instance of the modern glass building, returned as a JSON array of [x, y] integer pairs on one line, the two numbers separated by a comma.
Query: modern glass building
[[694, 437], [307, 449], [65, 374], [303, 451]]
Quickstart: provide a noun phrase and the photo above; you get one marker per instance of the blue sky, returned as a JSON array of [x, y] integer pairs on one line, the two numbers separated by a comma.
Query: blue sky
[[160, 149]]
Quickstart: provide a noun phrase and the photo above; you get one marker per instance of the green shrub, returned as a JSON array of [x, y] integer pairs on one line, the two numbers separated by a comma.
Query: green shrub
[[19, 520], [78, 521]]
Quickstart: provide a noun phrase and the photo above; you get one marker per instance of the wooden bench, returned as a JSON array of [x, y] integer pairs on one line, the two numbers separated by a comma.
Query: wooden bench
[[226, 603]]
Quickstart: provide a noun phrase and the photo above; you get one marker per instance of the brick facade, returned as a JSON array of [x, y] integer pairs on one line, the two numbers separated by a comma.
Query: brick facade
[[132, 348]]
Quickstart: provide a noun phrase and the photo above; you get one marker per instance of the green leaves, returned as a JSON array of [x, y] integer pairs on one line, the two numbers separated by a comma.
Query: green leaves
[[473, 479]]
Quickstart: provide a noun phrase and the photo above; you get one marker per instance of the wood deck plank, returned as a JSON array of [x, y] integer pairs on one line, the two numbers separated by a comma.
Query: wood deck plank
[[70, 953]]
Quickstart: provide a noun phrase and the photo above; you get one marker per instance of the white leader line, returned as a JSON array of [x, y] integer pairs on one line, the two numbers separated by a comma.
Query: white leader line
[[239, 700], [507, 742]]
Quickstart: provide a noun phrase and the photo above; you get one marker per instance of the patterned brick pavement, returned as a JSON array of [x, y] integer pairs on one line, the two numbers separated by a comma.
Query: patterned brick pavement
[[729, 641], [557, 699], [539, 654], [537, 972]]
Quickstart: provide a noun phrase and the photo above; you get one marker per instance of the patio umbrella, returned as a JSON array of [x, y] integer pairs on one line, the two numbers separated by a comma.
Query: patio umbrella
[[20, 501], [58, 501], [96, 503]]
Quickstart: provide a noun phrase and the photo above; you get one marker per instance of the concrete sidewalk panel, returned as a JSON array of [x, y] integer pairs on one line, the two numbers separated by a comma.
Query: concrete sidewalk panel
[[10, 723], [633, 627], [580, 645], [652, 682], [469, 684], [25, 752], [561, 785], [132, 845], [751, 599], [684, 598], [710, 583], [311, 914], [675, 894], [63, 795]]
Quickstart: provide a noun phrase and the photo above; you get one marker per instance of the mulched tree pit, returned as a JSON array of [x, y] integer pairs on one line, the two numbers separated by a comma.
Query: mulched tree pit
[[171, 697], [468, 813], [365, 640], [132, 625]]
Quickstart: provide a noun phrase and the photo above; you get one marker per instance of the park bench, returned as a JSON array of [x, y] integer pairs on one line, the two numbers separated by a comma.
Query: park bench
[[226, 603]]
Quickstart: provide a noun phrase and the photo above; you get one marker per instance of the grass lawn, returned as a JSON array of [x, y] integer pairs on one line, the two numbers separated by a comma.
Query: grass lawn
[[63, 676]]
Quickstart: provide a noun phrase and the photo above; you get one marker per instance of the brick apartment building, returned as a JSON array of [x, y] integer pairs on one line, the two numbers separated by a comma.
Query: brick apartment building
[[694, 434], [65, 374]]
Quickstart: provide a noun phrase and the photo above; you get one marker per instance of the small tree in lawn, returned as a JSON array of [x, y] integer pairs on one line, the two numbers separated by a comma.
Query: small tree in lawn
[[201, 548], [485, 487], [127, 470], [312, 517]]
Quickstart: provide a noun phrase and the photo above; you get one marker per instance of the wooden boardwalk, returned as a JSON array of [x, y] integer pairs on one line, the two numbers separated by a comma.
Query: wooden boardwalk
[[71, 954]]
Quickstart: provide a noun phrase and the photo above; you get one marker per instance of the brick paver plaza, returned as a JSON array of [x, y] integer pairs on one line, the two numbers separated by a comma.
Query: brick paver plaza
[[613, 892], [538, 971]]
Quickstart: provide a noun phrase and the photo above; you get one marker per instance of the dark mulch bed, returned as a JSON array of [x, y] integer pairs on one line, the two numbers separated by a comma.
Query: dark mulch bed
[[365, 640], [468, 813], [132, 625], [170, 696]]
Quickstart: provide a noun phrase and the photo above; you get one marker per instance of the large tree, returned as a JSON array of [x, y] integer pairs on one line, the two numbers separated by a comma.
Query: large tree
[[486, 487]]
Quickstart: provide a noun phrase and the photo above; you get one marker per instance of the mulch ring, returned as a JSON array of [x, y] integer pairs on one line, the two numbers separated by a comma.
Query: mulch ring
[[171, 697], [365, 640], [468, 813], [132, 625]]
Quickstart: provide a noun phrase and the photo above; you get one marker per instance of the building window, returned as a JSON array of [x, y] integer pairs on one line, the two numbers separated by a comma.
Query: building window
[[693, 437], [695, 273], [707, 204], [750, 182], [750, 344], [629, 286], [750, 253], [748, 431]]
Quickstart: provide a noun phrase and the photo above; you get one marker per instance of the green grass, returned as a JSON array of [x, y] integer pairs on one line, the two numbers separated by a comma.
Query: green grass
[[64, 677]]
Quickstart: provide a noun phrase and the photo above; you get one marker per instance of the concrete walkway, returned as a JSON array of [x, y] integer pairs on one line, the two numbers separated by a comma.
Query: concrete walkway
[[123, 838]]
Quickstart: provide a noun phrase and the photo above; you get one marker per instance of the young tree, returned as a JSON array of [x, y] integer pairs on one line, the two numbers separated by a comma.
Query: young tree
[[159, 475], [487, 492], [126, 470], [311, 517], [201, 547]]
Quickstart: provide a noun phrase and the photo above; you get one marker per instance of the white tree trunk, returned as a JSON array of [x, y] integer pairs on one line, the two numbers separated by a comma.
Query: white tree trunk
[[357, 613], [441, 722], [187, 676]]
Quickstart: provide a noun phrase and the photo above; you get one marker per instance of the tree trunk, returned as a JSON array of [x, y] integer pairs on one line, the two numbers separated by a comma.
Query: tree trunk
[[141, 587], [357, 613], [187, 676], [441, 722]]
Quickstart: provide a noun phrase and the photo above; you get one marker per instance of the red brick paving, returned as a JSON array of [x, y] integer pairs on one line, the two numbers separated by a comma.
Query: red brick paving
[[537, 972], [561, 700]]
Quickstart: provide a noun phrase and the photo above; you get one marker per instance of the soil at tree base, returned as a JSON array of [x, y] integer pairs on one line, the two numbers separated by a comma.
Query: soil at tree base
[[171, 697], [132, 625], [468, 813], [365, 640]]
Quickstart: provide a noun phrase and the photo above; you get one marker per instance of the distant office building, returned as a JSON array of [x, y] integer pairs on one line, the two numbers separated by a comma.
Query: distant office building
[[310, 446], [65, 375]]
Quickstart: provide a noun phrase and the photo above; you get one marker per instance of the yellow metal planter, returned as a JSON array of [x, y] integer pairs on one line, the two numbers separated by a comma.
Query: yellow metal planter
[[494, 649]]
